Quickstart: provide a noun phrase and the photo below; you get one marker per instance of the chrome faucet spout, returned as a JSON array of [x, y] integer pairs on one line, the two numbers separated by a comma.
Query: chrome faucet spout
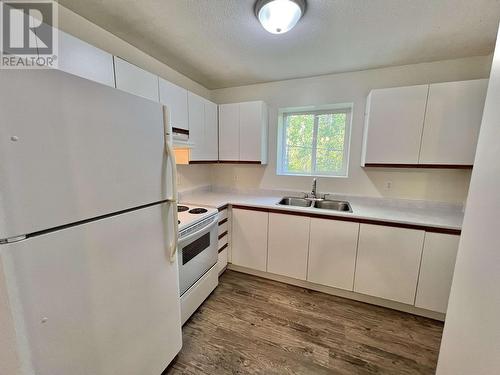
[[313, 191]]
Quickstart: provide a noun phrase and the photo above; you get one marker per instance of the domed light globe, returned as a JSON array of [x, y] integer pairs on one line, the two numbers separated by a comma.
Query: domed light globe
[[279, 16]]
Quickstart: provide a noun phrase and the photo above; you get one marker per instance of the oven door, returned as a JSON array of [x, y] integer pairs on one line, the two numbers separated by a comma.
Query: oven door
[[197, 253]]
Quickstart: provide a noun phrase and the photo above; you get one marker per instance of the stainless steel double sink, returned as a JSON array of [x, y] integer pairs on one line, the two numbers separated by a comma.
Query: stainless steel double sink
[[325, 204]]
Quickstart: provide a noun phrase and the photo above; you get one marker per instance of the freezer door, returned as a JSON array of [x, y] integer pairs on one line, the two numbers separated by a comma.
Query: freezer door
[[73, 149], [96, 299]]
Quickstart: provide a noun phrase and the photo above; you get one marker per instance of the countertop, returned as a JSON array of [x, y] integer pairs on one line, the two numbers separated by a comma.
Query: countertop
[[407, 212]]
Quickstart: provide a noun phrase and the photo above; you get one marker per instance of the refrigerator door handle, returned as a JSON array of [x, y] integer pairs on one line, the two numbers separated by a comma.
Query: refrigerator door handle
[[171, 157]]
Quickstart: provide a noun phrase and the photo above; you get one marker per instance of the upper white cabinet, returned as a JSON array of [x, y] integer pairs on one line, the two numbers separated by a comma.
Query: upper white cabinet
[[249, 239], [211, 131], [243, 131], [229, 132], [426, 125], [452, 122], [393, 125], [388, 262], [332, 253], [202, 128], [196, 110], [253, 131], [135, 80], [436, 271], [82, 59], [288, 245], [176, 100]]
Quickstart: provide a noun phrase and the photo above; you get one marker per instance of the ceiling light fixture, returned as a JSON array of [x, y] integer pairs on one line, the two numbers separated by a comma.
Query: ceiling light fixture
[[279, 16]]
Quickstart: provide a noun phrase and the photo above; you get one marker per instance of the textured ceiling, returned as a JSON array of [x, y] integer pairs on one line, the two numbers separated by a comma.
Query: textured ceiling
[[220, 43]]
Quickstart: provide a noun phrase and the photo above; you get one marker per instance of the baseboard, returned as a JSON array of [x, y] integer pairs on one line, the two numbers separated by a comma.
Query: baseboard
[[341, 293]]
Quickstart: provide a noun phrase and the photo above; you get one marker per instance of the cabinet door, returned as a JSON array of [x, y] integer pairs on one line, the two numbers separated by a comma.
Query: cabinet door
[[388, 261], [211, 131], [288, 245], [135, 80], [436, 271], [249, 239], [176, 99], [393, 125], [229, 132], [251, 124], [452, 122], [332, 253], [84, 60], [196, 106]]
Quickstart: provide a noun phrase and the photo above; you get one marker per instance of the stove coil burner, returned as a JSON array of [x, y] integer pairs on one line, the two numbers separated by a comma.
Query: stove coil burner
[[197, 211], [182, 208]]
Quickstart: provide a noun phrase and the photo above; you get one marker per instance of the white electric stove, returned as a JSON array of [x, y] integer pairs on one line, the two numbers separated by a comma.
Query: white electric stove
[[197, 256], [189, 214]]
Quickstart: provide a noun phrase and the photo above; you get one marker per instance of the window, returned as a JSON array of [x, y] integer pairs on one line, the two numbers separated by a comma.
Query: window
[[314, 142]]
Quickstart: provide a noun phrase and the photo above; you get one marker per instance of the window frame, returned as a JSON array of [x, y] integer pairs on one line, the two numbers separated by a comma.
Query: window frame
[[346, 108]]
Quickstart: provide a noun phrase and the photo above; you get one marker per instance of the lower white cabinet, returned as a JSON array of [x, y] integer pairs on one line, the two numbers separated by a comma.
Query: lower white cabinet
[[332, 253], [436, 271], [249, 239], [388, 262], [288, 245], [409, 266]]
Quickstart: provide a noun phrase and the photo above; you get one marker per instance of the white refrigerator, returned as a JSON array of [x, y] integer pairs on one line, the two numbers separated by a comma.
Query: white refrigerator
[[88, 277]]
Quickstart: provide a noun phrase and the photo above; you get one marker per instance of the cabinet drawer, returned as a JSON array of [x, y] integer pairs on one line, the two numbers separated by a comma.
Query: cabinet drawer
[[222, 242], [222, 261], [223, 228], [223, 214]]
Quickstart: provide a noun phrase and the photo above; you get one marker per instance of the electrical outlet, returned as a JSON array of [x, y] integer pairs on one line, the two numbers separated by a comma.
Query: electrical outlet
[[388, 185]]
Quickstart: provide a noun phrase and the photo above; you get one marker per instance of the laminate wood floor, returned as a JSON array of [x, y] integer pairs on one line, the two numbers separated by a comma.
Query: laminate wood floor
[[251, 325]]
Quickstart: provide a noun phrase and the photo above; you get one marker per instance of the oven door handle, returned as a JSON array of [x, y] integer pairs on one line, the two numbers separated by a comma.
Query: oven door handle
[[206, 228]]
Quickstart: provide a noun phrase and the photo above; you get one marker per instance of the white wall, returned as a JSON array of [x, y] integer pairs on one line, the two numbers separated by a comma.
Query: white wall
[[471, 338], [193, 176], [442, 185]]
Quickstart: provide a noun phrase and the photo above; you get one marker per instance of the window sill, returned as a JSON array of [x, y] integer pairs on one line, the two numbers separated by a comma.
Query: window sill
[[311, 175]]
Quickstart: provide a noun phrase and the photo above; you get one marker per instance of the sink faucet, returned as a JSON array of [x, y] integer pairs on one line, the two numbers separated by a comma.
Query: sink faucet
[[313, 191]]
